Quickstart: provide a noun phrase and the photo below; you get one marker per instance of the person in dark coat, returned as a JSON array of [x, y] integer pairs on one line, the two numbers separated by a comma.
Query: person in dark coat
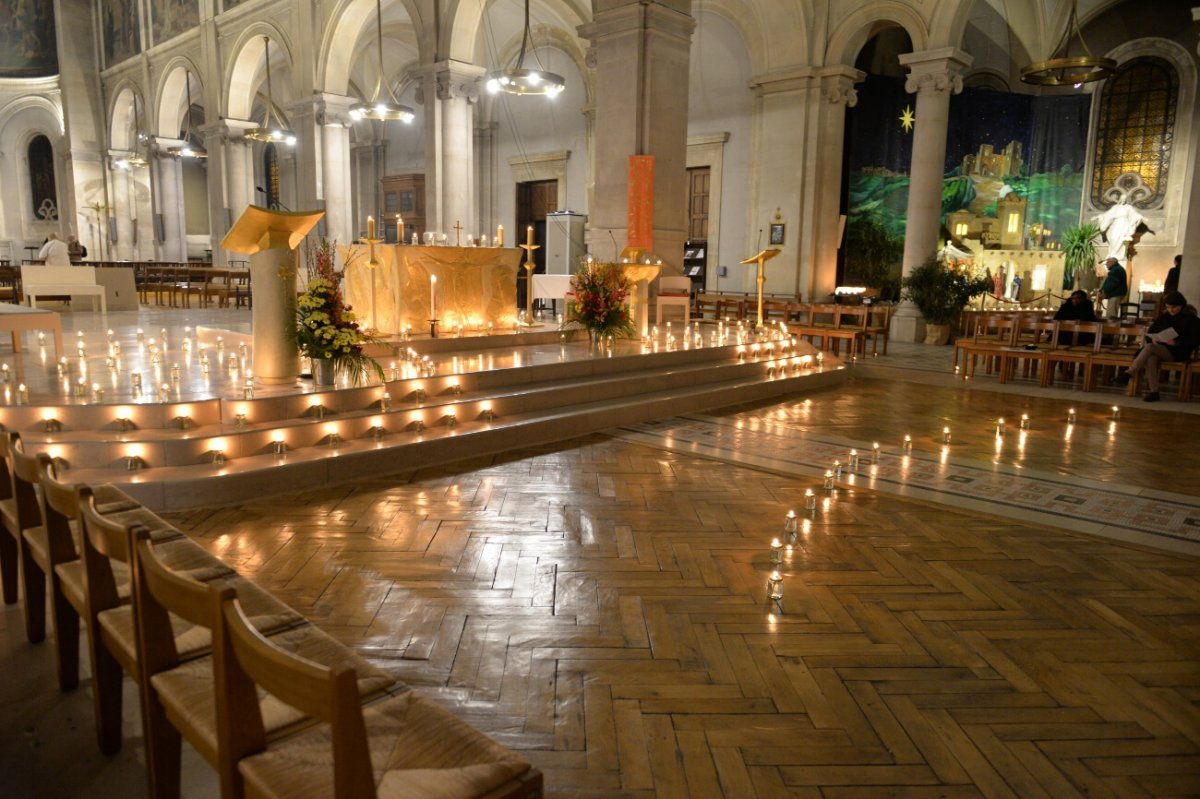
[[1077, 308], [1172, 281], [1179, 317]]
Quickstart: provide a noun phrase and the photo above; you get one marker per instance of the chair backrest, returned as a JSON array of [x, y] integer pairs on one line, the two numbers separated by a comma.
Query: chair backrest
[[101, 541], [1032, 329], [1070, 333], [6, 443], [26, 474], [330, 695], [1119, 335], [675, 285], [60, 506], [853, 317]]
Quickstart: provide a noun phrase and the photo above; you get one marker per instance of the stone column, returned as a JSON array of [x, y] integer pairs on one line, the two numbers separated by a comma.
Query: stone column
[[334, 116], [486, 180], [239, 180], [933, 75], [838, 94], [168, 204], [1189, 274], [640, 53], [122, 211], [215, 138], [307, 122], [450, 90]]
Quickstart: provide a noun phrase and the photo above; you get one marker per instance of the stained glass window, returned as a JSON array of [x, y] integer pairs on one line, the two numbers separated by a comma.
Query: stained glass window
[[1134, 135], [41, 179]]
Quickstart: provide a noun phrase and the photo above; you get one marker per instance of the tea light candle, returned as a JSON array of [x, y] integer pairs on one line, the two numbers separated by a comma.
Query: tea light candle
[[776, 550], [1000, 426], [810, 499], [907, 446], [789, 523], [837, 468], [41, 339], [854, 460], [875, 452], [945, 435], [62, 365], [1024, 421], [775, 587], [1116, 412], [239, 421], [248, 389], [1071, 416], [135, 381], [828, 480], [22, 393]]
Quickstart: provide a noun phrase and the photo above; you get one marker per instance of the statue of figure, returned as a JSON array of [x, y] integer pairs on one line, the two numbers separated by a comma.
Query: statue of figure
[[1117, 226], [998, 284]]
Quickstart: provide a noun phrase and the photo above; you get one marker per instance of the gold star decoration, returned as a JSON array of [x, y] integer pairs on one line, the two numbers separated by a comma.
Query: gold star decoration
[[907, 119]]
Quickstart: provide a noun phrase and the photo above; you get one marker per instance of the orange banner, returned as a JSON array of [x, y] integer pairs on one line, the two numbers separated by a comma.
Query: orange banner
[[641, 202]]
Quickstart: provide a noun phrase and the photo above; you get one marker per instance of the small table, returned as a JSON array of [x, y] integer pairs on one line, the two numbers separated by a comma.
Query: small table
[[17, 319]]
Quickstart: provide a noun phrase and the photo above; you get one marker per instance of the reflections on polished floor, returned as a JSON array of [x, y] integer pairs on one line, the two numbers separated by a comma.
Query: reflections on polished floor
[[601, 605]]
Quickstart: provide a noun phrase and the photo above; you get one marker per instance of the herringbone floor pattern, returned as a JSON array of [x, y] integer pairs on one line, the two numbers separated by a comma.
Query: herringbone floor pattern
[[601, 606]]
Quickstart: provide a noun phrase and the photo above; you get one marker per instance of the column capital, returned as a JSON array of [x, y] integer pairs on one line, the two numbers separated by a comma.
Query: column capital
[[937, 70], [837, 84], [325, 108], [779, 81], [453, 80]]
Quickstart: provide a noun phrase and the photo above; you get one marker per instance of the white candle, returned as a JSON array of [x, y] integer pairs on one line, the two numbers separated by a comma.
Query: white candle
[[399, 229], [370, 227], [433, 296], [499, 235]]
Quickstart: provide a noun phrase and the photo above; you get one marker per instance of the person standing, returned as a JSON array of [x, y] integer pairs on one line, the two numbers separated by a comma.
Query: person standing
[[1172, 281], [1114, 289], [1179, 317], [75, 248], [54, 252]]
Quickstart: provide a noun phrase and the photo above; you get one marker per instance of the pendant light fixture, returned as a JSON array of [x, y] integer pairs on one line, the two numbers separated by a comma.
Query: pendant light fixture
[[191, 147], [1070, 70], [379, 109], [267, 132], [138, 158], [521, 81]]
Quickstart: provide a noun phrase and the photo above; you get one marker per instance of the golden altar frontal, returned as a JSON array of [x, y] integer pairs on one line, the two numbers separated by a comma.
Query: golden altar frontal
[[475, 287]]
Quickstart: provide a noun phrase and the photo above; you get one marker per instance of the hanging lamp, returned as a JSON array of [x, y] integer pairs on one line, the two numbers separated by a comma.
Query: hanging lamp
[[521, 81], [191, 147], [266, 132], [378, 109], [1070, 70]]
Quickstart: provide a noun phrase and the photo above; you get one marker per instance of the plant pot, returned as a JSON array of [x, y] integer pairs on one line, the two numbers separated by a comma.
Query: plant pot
[[936, 334], [323, 371]]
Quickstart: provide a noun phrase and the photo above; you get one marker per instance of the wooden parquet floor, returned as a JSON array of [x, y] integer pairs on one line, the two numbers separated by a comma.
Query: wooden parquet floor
[[601, 606]]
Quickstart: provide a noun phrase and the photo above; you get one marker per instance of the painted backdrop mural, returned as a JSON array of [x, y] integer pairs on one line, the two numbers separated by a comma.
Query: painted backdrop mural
[[1004, 152], [27, 43], [172, 17], [119, 24]]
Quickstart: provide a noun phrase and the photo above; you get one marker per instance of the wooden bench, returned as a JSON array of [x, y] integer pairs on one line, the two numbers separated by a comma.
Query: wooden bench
[[61, 281], [17, 319]]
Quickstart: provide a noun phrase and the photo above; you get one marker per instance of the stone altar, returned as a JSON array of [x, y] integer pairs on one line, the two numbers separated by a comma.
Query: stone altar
[[476, 286]]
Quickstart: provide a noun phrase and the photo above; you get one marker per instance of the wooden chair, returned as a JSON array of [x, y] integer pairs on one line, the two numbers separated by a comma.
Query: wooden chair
[[1119, 344], [1073, 349], [674, 292], [180, 696], [878, 328], [993, 335], [406, 741], [109, 614], [11, 534], [1034, 339]]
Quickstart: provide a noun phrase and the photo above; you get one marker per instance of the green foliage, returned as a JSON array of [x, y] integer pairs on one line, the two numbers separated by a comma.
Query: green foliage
[[1079, 251], [941, 293], [873, 256], [957, 193]]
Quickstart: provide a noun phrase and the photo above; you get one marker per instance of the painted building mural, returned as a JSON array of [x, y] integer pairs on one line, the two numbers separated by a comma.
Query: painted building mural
[[119, 27], [27, 42]]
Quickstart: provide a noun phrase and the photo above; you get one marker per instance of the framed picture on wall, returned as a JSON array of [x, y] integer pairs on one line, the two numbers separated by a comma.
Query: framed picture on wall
[[777, 229]]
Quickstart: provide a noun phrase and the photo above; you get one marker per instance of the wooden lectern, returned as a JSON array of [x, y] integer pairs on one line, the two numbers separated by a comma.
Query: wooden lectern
[[760, 259], [270, 239]]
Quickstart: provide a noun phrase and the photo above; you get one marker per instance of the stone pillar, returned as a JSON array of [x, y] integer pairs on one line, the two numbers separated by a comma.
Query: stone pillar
[[239, 176], [450, 90], [168, 204], [335, 133], [122, 208], [837, 94], [933, 75], [486, 180], [220, 218], [1189, 274], [307, 122], [640, 53]]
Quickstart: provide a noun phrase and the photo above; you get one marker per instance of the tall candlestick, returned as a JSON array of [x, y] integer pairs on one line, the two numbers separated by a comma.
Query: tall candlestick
[[399, 229], [433, 296], [529, 235], [370, 227], [499, 235]]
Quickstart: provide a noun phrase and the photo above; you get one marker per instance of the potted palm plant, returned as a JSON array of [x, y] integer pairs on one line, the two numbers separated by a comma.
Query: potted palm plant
[[1079, 256], [940, 294]]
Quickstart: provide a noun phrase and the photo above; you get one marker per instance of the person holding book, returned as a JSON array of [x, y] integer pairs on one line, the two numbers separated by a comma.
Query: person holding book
[[1173, 336]]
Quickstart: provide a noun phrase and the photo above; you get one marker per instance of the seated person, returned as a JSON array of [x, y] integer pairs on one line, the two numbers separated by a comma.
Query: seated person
[[1179, 317], [1077, 308]]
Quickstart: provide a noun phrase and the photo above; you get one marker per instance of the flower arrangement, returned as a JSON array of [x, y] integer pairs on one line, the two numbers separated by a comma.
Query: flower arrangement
[[326, 329], [599, 306]]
